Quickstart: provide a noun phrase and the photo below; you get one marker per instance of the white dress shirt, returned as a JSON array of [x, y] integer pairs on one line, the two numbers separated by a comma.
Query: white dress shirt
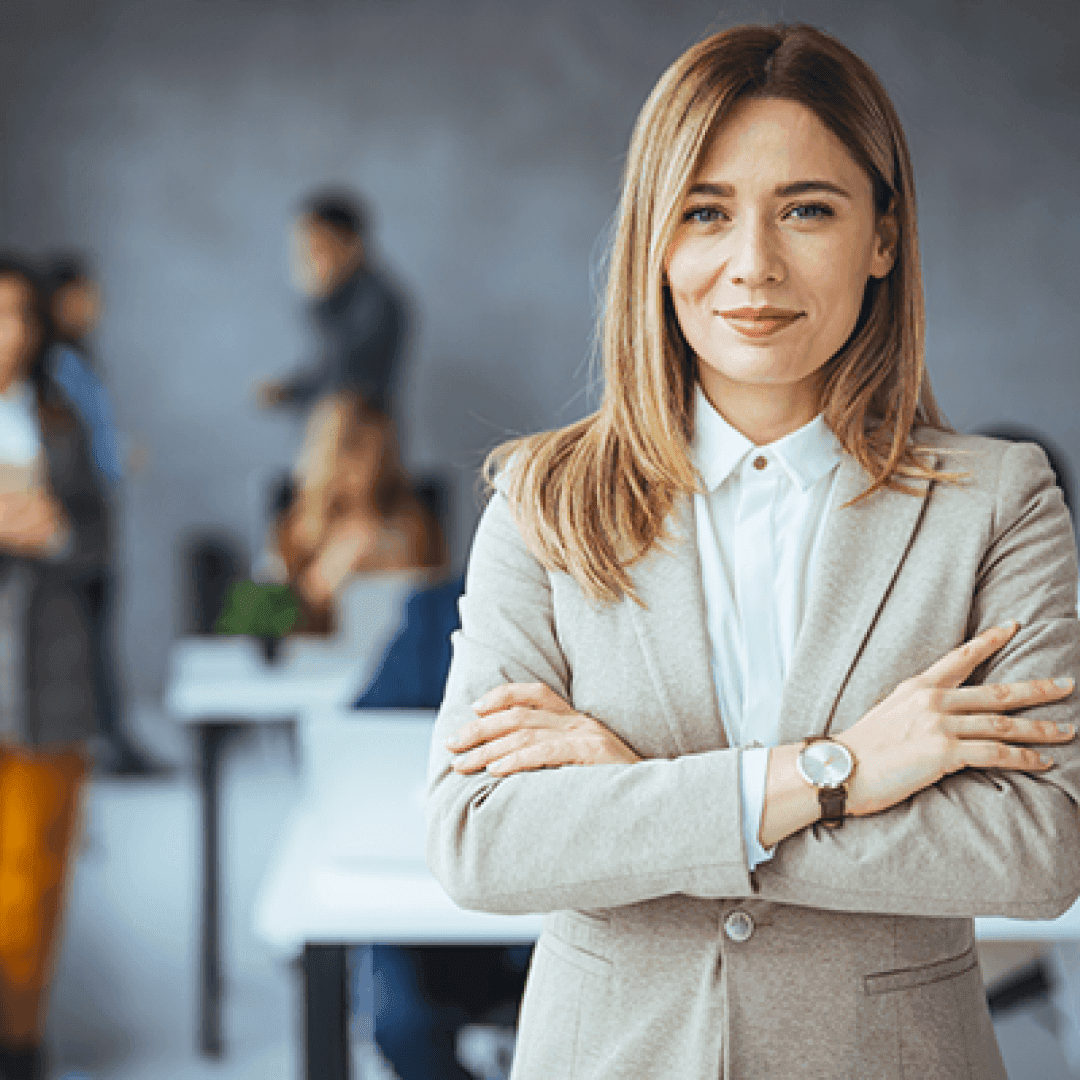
[[20, 430], [23, 467], [758, 533]]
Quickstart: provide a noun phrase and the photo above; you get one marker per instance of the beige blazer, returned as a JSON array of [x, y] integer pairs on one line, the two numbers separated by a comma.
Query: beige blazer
[[860, 961]]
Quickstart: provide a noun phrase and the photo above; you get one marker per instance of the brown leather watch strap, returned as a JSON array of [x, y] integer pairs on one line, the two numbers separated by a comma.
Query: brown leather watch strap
[[832, 802]]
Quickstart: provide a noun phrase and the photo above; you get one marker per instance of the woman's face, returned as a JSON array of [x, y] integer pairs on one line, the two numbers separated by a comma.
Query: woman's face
[[19, 331], [780, 220]]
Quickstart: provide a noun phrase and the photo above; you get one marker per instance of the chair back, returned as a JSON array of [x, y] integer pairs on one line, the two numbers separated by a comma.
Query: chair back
[[212, 562]]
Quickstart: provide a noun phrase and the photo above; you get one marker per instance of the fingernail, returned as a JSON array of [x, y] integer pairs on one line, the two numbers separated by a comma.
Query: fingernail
[[478, 704], [1063, 684], [452, 742], [1046, 759], [1067, 729], [1010, 626]]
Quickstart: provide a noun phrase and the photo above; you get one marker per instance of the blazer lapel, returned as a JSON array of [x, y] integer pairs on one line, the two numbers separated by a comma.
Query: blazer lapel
[[862, 548], [674, 637]]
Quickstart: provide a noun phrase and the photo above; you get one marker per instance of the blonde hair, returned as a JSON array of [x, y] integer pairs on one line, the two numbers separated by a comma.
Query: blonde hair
[[595, 496], [338, 423]]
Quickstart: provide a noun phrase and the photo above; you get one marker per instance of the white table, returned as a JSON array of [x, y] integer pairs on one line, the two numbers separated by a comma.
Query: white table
[[351, 870], [1064, 928], [217, 685], [352, 867]]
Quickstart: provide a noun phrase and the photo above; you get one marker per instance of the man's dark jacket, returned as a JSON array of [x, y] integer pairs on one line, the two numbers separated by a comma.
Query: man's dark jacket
[[362, 329]]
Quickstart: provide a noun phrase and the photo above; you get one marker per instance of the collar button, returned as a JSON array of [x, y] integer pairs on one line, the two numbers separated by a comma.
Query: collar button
[[761, 462]]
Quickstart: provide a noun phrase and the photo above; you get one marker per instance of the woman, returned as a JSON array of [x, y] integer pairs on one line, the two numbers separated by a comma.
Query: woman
[[765, 535], [52, 540], [75, 309], [355, 511]]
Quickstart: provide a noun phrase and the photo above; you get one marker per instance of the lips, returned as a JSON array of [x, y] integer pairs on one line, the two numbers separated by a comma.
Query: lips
[[760, 326]]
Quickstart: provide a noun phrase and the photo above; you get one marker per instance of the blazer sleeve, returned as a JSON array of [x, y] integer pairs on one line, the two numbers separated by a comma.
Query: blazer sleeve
[[979, 843], [74, 482], [574, 836]]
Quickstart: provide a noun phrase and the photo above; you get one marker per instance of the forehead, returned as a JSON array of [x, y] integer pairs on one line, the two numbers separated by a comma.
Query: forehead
[[774, 141]]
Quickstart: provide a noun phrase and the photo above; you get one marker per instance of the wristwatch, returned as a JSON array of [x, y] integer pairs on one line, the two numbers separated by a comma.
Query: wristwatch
[[827, 765]]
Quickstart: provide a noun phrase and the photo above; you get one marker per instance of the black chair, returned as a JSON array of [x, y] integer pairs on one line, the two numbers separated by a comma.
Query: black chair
[[434, 491], [212, 561]]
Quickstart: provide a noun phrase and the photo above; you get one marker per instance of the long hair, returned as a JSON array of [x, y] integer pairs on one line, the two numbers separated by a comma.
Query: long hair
[[51, 408], [338, 423], [595, 496]]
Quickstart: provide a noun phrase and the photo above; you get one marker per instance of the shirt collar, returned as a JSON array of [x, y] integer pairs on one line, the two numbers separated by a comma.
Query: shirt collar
[[718, 449]]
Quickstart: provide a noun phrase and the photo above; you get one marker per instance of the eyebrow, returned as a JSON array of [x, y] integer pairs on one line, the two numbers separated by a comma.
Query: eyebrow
[[783, 191]]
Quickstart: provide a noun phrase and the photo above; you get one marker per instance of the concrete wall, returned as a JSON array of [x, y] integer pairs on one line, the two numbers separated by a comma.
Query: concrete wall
[[172, 139]]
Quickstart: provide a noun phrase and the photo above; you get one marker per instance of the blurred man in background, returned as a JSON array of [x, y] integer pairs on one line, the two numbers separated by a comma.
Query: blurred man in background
[[359, 316]]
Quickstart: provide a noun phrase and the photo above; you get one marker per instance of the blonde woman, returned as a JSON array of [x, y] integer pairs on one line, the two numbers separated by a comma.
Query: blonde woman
[[355, 510], [756, 694]]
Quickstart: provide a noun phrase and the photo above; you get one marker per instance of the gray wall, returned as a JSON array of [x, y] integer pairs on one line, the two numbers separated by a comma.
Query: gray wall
[[171, 140]]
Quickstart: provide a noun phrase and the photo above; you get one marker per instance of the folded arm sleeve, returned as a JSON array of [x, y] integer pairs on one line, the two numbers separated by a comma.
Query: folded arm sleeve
[[979, 843], [77, 487], [575, 836]]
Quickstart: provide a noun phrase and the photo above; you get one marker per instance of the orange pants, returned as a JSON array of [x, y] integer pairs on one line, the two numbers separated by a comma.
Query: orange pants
[[39, 800]]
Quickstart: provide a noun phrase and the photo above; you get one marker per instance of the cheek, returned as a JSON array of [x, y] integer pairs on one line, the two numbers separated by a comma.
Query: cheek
[[691, 270]]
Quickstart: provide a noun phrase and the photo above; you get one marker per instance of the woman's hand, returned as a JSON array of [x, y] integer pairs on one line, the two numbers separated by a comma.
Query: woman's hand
[[528, 726], [29, 521], [930, 726]]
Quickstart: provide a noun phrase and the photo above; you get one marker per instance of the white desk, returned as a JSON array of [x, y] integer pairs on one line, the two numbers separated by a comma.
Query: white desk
[[1064, 928], [352, 867], [217, 685]]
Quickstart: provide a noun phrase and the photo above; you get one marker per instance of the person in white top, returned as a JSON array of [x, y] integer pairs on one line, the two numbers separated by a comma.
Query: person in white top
[[762, 327]]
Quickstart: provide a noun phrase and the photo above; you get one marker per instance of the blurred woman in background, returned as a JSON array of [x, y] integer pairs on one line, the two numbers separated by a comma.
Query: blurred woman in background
[[354, 511], [53, 539], [75, 310]]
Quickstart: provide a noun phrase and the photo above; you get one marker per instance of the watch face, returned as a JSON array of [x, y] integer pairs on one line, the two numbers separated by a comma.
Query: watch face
[[825, 764]]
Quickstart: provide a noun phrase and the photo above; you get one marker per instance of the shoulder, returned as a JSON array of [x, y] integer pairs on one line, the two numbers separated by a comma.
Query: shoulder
[[1002, 469]]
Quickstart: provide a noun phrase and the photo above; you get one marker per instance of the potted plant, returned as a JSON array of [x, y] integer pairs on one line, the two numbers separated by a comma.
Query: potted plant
[[266, 611]]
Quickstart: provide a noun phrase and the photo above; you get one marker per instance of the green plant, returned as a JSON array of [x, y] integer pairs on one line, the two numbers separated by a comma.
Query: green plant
[[262, 610]]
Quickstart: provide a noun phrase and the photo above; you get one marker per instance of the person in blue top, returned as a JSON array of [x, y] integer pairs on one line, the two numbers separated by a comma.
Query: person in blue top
[[75, 308]]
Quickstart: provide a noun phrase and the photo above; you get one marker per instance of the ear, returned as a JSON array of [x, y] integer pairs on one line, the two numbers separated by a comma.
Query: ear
[[886, 243]]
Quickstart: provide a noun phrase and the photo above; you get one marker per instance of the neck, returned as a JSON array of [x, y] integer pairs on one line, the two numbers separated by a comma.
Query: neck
[[763, 413]]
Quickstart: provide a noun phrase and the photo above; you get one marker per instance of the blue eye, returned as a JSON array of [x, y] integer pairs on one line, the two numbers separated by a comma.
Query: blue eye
[[703, 215], [824, 211]]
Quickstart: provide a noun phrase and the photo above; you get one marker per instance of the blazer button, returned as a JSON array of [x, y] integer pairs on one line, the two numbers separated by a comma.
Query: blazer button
[[739, 926]]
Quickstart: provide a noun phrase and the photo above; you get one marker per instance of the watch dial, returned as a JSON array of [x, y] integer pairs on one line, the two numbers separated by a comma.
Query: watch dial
[[827, 764]]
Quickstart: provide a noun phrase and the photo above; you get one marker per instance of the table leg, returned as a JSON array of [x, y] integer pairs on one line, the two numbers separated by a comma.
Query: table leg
[[212, 738], [326, 1012]]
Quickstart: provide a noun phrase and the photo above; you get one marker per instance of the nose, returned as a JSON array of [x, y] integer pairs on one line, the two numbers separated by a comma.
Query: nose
[[754, 259]]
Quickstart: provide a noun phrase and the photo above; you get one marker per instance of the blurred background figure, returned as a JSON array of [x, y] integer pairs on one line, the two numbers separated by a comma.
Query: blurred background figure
[[75, 310], [53, 540], [353, 510], [359, 316]]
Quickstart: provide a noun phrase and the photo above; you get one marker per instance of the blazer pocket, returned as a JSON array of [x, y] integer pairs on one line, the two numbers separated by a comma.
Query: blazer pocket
[[557, 940], [883, 982], [563, 1013]]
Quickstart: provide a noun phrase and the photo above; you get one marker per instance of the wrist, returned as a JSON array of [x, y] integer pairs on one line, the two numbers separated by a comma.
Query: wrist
[[790, 802], [854, 805]]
